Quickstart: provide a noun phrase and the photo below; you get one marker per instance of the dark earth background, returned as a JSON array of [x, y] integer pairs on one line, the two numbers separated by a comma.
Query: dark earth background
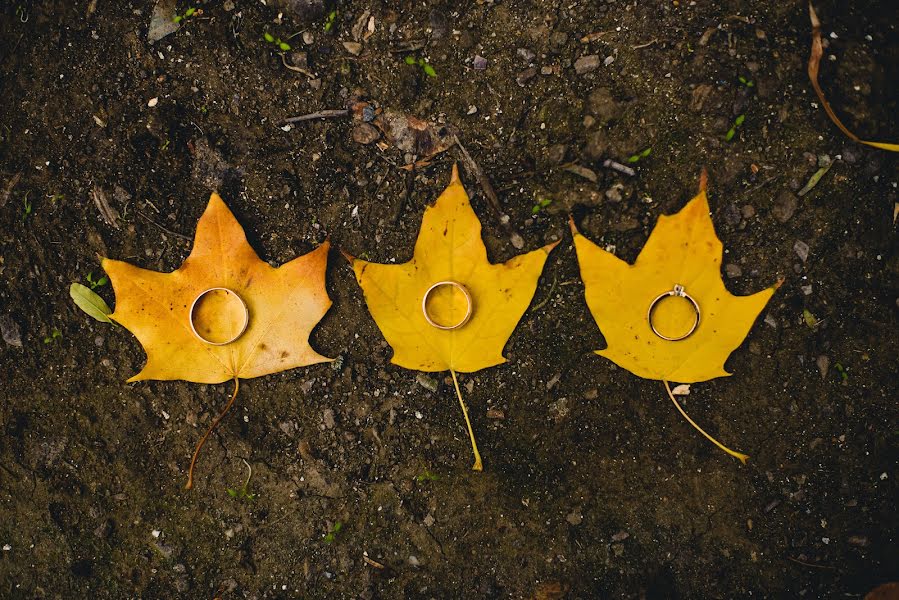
[[593, 485]]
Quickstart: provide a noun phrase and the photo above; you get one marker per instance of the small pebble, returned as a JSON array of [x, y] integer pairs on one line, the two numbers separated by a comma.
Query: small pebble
[[586, 64], [733, 270], [801, 249], [479, 63]]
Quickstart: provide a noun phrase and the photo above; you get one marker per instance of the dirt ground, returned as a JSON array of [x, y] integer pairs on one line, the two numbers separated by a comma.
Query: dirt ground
[[593, 485]]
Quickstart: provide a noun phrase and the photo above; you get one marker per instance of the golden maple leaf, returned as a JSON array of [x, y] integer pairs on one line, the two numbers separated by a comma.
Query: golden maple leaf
[[682, 250], [450, 248], [282, 306]]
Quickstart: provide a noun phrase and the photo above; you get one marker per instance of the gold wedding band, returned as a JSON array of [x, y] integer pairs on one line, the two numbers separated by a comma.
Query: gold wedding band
[[232, 294], [677, 291], [458, 286]]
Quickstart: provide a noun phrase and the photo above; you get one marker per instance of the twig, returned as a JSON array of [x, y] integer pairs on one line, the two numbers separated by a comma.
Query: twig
[[812, 565], [646, 45], [548, 296], [308, 74], [492, 200], [163, 228], [322, 114], [617, 166]]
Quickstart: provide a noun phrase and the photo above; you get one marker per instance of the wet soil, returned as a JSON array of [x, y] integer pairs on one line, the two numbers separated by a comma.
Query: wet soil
[[593, 485]]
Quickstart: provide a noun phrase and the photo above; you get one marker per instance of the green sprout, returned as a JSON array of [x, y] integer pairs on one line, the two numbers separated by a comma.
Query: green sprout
[[94, 284], [54, 198], [331, 536], [329, 22], [844, 372], [27, 210], [426, 476], [282, 45], [747, 82], [733, 129], [421, 62], [636, 157], [54, 335], [243, 493], [165, 145], [187, 14], [541, 204]]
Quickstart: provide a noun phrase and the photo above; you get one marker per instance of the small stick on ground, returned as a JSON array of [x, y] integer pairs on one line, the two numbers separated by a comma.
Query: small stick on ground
[[646, 45], [617, 166], [321, 114], [308, 74], [484, 182], [165, 229]]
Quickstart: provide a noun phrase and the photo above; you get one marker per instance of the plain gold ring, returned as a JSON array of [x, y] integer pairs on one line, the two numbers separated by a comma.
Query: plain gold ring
[[458, 286], [246, 316], [679, 292]]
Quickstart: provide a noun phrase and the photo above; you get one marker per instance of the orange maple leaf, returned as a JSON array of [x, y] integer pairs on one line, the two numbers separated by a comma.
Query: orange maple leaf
[[169, 312]]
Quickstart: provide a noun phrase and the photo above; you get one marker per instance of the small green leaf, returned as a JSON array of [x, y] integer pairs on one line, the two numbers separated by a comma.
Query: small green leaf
[[429, 70], [232, 492], [337, 527], [646, 153], [90, 303], [284, 46], [177, 19], [535, 210], [102, 281], [410, 60], [634, 158], [740, 120], [730, 134], [809, 318], [190, 12], [269, 38]]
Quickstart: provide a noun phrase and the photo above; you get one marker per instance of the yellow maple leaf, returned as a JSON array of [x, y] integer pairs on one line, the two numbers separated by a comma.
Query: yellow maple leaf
[[682, 250], [450, 248], [280, 307]]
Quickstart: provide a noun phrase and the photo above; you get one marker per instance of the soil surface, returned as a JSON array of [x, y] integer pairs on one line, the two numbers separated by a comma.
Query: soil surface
[[594, 485]]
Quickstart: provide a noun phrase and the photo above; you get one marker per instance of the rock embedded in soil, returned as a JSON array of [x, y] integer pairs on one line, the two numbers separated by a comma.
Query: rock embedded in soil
[[785, 206], [10, 331], [801, 249], [733, 270], [586, 64], [365, 133], [603, 106]]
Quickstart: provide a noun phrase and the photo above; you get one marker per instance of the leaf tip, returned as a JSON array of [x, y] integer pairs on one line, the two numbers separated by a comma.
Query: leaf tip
[[778, 283], [703, 180], [572, 226], [349, 257], [454, 176]]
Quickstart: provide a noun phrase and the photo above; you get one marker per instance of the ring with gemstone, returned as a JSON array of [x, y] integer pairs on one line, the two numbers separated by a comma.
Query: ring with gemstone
[[468, 300], [233, 297], [679, 292]]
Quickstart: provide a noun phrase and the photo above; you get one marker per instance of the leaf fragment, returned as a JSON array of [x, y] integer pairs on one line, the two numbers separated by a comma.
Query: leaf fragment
[[89, 302]]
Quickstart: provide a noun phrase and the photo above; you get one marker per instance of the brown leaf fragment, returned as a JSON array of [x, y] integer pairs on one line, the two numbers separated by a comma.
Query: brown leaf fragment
[[7, 190], [109, 214]]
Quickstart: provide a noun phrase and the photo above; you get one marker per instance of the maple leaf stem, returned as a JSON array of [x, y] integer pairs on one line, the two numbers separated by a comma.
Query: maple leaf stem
[[738, 455], [478, 466], [215, 423]]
